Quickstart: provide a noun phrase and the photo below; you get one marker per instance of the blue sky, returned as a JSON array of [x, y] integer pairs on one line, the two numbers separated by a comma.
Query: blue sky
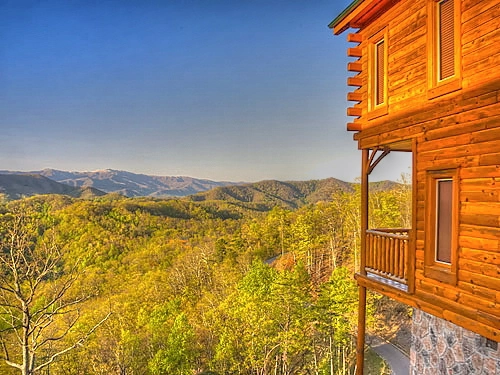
[[240, 90]]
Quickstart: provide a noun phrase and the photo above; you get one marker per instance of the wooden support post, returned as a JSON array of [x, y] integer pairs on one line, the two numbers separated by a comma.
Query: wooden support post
[[365, 170], [360, 345], [412, 243]]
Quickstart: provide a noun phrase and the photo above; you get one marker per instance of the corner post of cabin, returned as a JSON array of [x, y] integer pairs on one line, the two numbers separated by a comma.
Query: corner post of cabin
[[360, 345], [365, 171]]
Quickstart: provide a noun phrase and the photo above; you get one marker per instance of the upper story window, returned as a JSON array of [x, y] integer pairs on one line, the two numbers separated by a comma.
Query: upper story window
[[442, 202], [379, 73], [377, 81], [444, 47], [446, 39]]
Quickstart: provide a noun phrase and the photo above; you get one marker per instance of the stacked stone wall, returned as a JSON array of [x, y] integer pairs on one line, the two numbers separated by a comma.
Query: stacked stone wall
[[442, 348]]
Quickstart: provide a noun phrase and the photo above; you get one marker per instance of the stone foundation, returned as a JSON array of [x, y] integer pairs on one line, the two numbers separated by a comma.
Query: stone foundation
[[442, 348]]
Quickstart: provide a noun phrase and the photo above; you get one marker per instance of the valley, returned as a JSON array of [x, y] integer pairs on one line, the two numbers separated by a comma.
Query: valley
[[184, 285]]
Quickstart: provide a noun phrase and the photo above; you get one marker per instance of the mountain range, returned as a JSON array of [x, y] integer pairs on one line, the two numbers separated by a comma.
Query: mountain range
[[16, 186], [110, 181], [261, 195], [264, 195]]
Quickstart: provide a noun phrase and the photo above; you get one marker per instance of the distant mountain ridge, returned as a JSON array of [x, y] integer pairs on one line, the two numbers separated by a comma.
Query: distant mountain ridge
[[16, 186], [128, 183], [267, 194], [261, 195]]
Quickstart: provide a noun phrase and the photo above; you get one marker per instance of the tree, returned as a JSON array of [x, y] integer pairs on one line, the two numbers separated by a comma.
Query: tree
[[37, 310], [337, 315], [293, 305], [246, 327], [172, 338]]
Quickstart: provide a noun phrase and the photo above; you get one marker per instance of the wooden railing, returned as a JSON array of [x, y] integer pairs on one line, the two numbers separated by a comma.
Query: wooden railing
[[387, 253]]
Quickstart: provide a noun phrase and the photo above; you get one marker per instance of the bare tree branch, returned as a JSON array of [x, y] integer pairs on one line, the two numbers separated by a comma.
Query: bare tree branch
[[75, 345], [33, 293]]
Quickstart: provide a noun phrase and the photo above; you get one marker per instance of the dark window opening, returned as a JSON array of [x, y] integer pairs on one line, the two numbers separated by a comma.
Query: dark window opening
[[444, 208], [446, 39], [380, 73]]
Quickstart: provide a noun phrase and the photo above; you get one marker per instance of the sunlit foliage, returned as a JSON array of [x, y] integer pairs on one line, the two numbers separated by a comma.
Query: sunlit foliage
[[208, 287]]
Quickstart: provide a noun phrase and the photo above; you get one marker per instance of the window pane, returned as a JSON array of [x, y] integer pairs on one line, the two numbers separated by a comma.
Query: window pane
[[446, 39], [380, 73], [444, 209]]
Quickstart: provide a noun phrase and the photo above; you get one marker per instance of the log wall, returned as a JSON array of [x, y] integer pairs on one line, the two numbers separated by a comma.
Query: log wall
[[460, 129]]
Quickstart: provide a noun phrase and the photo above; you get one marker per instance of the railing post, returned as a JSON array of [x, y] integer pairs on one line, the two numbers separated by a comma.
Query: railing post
[[405, 257], [397, 258], [402, 259], [390, 263], [369, 250], [387, 253]]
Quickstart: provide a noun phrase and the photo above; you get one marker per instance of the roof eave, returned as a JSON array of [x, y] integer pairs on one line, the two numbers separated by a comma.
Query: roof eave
[[341, 22], [358, 13]]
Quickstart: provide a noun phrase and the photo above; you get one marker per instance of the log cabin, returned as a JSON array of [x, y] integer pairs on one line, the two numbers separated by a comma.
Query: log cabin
[[425, 78]]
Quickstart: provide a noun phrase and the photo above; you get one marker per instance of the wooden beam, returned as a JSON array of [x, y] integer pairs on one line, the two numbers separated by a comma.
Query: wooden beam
[[354, 111], [355, 66], [374, 161], [354, 96], [365, 163], [354, 81], [354, 126], [360, 342], [413, 232], [354, 52], [354, 37]]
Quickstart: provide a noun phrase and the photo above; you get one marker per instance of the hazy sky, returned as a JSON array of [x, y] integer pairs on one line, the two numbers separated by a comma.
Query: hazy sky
[[239, 90]]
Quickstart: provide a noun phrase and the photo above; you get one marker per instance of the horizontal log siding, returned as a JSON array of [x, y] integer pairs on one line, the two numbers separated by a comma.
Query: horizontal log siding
[[460, 129], [462, 134], [407, 69], [407, 56]]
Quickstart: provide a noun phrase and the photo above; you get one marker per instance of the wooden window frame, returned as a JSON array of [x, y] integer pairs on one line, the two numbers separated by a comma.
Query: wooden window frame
[[436, 86], [376, 110], [441, 271]]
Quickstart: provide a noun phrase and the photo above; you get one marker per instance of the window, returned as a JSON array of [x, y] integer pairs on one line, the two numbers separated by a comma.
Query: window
[[379, 73], [441, 225], [444, 213], [377, 83], [444, 67], [446, 40]]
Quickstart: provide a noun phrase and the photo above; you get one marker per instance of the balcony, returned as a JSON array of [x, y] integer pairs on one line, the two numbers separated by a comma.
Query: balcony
[[386, 257]]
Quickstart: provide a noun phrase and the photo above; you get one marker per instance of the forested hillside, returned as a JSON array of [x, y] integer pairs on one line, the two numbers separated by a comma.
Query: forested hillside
[[268, 194], [115, 285]]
